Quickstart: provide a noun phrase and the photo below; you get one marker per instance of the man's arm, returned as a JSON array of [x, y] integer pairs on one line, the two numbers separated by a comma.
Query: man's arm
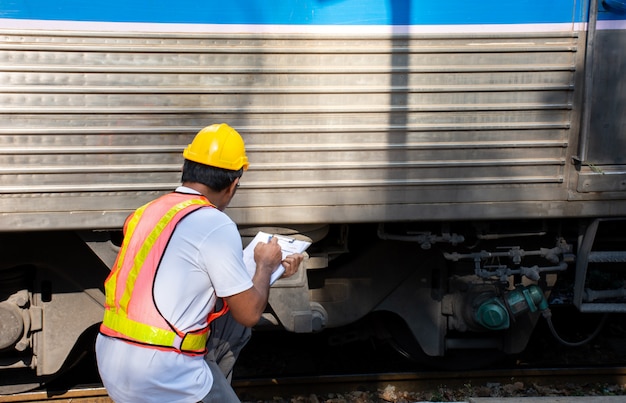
[[248, 306]]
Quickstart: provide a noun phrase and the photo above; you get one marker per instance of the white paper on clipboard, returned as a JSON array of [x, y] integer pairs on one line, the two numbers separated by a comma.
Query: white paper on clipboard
[[288, 246]]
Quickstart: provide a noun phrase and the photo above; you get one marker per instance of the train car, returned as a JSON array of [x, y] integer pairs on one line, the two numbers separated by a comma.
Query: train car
[[453, 164]]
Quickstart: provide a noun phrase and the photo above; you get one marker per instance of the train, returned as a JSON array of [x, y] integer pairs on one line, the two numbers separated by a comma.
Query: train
[[459, 168]]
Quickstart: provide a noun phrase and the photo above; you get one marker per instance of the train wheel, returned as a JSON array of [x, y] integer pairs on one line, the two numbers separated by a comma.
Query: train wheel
[[23, 380]]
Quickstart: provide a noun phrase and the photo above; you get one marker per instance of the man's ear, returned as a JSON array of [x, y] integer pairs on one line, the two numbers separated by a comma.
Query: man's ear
[[233, 186]]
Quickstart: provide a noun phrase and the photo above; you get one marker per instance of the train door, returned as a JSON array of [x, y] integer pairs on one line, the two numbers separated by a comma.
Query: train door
[[601, 158]]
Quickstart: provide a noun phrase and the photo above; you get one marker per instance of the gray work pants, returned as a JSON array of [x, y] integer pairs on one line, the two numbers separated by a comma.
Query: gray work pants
[[227, 339]]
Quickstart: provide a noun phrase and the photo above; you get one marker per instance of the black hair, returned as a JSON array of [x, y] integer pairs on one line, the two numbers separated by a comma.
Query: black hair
[[216, 179]]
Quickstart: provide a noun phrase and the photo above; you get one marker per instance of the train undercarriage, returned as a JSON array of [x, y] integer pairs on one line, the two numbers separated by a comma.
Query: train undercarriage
[[444, 290]]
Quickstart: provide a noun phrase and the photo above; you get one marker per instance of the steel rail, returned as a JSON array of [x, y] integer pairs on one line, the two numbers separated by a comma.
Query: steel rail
[[255, 389]]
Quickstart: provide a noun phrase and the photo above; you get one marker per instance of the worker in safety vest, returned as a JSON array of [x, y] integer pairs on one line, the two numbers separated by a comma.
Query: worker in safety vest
[[179, 300]]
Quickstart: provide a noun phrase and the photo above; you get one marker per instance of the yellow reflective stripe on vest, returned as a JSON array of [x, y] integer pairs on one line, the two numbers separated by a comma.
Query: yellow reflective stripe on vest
[[154, 335], [111, 284], [149, 242]]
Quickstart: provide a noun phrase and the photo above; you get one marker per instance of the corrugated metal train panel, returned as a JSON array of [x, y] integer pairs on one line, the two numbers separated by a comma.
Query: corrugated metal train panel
[[92, 125]]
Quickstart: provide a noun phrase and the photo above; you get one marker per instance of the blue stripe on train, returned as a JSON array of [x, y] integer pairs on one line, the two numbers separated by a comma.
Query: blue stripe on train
[[302, 12]]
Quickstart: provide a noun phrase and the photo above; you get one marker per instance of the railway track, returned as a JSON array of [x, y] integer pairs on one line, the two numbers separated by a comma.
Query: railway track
[[261, 389], [424, 381]]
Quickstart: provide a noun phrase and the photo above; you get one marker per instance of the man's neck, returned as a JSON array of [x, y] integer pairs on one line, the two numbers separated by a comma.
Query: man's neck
[[218, 199]]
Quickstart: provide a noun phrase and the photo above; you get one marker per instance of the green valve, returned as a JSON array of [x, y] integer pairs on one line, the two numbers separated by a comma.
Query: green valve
[[493, 315]]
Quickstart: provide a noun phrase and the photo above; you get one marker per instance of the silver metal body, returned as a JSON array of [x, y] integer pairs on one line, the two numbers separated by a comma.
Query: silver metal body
[[338, 129]]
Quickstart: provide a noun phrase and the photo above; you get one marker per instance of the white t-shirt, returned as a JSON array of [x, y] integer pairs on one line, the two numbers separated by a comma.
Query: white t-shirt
[[204, 258]]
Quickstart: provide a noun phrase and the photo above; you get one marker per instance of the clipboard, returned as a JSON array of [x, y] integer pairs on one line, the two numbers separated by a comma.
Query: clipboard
[[288, 246]]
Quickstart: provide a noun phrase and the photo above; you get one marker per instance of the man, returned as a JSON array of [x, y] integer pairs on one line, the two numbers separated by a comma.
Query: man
[[181, 257]]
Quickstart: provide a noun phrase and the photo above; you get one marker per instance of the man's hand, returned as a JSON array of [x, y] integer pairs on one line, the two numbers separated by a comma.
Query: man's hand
[[291, 264], [268, 255]]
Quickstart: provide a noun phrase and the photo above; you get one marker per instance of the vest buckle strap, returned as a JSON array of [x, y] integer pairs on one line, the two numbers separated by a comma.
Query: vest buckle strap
[[194, 342]]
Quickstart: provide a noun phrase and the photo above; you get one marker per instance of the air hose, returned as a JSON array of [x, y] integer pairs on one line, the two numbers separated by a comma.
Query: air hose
[[532, 298], [548, 315]]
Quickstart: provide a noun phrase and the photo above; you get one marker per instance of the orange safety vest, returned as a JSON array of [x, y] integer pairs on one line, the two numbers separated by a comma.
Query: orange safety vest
[[130, 312]]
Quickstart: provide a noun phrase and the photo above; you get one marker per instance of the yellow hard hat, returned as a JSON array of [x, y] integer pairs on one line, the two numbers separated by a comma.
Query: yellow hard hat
[[218, 145]]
